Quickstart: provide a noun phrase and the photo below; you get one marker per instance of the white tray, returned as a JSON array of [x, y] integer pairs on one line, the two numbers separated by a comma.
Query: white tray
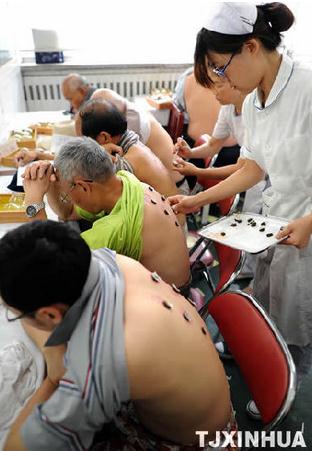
[[244, 236]]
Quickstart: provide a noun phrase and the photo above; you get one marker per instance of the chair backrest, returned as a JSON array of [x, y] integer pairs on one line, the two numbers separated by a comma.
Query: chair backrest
[[226, 206], [176, 122], [203, 139], [260, 352], [231, 262]]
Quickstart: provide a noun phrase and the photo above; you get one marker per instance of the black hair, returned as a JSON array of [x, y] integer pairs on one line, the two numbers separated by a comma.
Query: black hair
[[42, 263], [102, 116], [272, 19]]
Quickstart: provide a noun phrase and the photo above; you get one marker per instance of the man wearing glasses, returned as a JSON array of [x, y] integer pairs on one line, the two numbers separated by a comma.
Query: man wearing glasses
[[126, 215], [118, 334]]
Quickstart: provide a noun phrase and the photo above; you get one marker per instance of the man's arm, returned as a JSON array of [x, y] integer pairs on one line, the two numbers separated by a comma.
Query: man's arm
[[14, 440], [36, 184], [40, 179], [25, 156]]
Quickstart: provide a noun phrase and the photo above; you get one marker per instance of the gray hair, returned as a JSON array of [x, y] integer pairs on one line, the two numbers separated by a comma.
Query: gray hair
[[85, 158]]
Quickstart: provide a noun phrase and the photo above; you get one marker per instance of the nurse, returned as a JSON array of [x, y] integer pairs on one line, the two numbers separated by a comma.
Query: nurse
[[239, 42]]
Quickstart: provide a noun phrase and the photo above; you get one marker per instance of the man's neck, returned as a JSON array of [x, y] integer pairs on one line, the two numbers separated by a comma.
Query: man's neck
[[109, 194]]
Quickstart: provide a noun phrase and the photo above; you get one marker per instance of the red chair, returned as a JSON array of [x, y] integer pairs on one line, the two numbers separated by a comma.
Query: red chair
[[260, 352], [176, 122], [230, 261]]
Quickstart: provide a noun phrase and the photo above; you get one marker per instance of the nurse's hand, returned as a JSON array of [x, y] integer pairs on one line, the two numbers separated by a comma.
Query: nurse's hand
[[182, 148], [184, 167], [298, 232], [183, 204]]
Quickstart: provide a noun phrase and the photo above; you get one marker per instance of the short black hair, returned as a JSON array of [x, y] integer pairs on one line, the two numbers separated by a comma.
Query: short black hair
[[102, 116], [272, 19], [42, 263]]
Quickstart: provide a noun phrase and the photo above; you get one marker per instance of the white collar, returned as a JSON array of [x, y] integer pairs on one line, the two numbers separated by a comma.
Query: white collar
[[283, 76]]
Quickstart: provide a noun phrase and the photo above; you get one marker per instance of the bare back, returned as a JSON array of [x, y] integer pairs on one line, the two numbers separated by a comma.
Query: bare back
[[160, 142], [164, 245], [177, 381], [148, 168], [202, 108]]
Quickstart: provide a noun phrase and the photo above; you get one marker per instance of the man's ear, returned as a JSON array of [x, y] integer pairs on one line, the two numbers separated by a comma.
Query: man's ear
[[103, 138], [83, 90], [84, 185], [52, 315]]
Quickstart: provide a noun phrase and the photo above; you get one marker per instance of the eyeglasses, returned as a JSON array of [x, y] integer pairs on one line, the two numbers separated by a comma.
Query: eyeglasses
[[220, 71], [11, 317]]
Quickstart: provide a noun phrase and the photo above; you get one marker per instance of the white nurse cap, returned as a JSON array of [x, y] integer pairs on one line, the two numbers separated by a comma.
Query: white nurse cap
[[232, 17]]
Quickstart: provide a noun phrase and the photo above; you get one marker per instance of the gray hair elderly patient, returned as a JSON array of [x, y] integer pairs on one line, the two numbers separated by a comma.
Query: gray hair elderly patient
[[126, 215], [77, 90]]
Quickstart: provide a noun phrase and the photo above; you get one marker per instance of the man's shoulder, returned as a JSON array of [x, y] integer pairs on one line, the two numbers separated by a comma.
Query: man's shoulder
[[128, 179], [102, 230]]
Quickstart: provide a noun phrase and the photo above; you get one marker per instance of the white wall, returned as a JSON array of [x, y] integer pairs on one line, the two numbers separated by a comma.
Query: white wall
[[133, 32], [11, 91]]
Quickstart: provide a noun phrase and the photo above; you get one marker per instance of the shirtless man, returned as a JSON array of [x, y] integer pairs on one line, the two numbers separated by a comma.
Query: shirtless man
[[128, 216], [75, 89], [125, 335], [102, 121], [199, 104], [151, 133], [202, 108]]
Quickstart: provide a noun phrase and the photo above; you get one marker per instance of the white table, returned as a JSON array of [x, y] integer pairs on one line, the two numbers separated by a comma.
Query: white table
[[162, 116], [22, 120], [4, 228]]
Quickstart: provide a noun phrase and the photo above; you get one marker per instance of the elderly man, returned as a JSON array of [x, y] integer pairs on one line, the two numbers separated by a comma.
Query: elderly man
[[76, 90], [102, 121], [118, 334], [128, 216]]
